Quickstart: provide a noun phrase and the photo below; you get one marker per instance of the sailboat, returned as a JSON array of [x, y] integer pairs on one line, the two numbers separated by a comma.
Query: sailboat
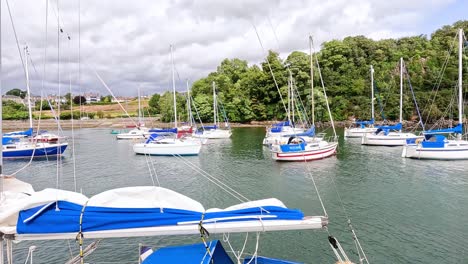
[[279, 133], [160, 145], [37, 147], [390, 135], [363, 126], [435, 145], [297, 148], [140, 131], [215, 131]]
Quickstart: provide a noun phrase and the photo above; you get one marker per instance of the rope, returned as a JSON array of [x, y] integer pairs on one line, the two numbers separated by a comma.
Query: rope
[[414, 97], [255, 254], [215, 181], [203, 233], [80, 236]]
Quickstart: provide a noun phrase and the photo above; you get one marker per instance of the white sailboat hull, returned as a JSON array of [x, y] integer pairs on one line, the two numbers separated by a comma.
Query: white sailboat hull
[[134, 134], [358, 132], [214, 134], [168, 148], [323, 150], [392, 139], [452, 150]]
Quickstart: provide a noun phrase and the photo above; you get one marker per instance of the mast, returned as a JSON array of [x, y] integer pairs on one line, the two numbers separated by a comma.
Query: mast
[[289, 101], [372, 91], [1, 123], [26, 57], [139, 108], [401, 91], [189, 106], [173, 90], [460, 71], [312, 80], [292, 96], [214, 104]]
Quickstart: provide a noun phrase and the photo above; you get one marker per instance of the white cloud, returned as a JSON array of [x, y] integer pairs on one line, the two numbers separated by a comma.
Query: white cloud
[[128, 42]]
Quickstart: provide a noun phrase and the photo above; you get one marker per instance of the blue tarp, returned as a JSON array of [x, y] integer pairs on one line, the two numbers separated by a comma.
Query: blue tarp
[[264, 260], [387, 129], [167, 130], [278, 127], [458, 130], [190, 254], [209, 127], [65, 220], [363, 123], [308, 133], [433, 141], [151, 138], [28, 133], [9, 140]]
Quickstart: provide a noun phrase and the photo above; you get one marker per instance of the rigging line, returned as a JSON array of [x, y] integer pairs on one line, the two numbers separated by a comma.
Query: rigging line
[[79, 57], [16, 36], [414, 96], [149, 168], [38, 127], [439, 78], [110, 91], [72, 120], [58, 95], [211, 178], [325, 95], [155, 172], [269, 66]]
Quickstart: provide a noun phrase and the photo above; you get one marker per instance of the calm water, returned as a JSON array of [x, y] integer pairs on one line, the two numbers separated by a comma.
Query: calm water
[[404, 211]]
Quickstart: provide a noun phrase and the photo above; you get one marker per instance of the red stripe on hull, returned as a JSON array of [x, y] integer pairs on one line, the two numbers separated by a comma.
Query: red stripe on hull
[[306, 156]]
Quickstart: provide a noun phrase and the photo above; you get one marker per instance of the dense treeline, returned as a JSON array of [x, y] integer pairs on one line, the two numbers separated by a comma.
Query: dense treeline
[[249, 93]]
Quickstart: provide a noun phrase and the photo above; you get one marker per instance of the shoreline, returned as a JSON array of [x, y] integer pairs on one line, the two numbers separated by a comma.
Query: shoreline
[[11, 125]]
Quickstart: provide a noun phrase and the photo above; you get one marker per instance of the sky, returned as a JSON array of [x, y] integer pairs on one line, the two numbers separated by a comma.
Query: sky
[[127, 43]]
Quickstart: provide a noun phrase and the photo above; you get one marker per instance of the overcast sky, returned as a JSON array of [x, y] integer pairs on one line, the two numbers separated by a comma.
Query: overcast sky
[[127, 42]]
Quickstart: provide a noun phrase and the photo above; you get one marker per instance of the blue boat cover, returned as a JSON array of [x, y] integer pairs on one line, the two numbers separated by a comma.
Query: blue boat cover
[[190, 254], [28, 133], [209, 127], [457, 130], [308, 133], [264, 260], [433, 141], [45, 219], [151, 138], [363, 123], [281, 124], [278, 127], [168, 130], [9, 140], [387, 129]]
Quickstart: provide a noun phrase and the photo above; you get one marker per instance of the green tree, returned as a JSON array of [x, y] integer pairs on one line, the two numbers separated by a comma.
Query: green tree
[[17, 92]]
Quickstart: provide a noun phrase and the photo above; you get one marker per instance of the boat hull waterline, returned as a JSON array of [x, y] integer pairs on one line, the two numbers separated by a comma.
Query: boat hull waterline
[[41, 150], [453, 150], [307, 155]]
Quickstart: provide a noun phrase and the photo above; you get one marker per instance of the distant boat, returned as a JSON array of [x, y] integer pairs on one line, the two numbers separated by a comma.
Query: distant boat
[[363, 126], [435, 145], [39, 146], [215, 131], [390, 135], [168, 146], [297, 148], [139, 130]]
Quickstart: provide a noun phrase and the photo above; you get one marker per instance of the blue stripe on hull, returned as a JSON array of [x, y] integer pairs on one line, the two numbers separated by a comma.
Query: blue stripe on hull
[[39, 152]]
